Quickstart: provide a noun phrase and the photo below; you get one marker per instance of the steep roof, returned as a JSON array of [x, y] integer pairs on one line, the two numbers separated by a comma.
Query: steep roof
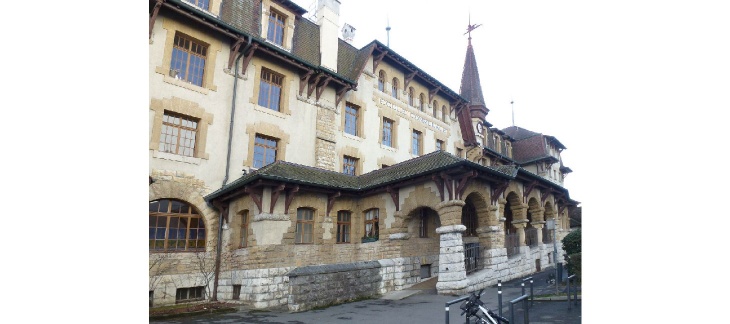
[[471, 87], [517, 133], [311, 176]]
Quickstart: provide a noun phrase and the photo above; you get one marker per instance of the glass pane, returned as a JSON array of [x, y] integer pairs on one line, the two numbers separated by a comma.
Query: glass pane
[[153, 221], [162, 222], [160, 233], [164, 205], [176, 205], [154, 206], [264, 94], [152, 233]]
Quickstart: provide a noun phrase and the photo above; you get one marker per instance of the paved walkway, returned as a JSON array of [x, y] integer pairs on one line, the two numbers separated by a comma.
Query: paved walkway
[[418, 305]]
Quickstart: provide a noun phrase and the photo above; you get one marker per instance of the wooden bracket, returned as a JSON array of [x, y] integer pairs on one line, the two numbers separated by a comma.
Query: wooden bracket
[[408, 79], [249, 56], [377, 59], [498, 190], [449, 184], [304, 80], [256, 197], [153, 16], [312, 85], [340, 95], [432, 93], [543, 196], [234, 51], [321, 87], [331, 201], [528, 190], [223, 209], [394, 194], [439, 184], [289, 197], [275, 196], [463, 182]]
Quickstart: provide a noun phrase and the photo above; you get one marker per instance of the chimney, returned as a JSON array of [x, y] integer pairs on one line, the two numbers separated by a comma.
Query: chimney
[[328, 19]]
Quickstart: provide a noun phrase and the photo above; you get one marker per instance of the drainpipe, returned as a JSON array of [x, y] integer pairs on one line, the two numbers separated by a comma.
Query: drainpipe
[[220, 208]]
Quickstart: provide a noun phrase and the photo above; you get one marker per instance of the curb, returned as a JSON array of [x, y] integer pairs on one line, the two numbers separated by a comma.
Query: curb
[[190, 314], [555, 298]]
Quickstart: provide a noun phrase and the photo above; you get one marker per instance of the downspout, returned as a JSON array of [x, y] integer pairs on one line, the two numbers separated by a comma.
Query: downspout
[[221, 209]]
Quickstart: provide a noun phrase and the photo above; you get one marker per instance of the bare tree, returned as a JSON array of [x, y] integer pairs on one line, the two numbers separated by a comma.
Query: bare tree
[[160, 264]]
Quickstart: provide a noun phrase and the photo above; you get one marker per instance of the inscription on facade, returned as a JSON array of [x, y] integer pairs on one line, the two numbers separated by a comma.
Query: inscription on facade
[[413, 116]]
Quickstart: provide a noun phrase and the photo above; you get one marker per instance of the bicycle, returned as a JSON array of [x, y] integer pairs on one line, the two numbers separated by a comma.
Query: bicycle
[[474, 307]]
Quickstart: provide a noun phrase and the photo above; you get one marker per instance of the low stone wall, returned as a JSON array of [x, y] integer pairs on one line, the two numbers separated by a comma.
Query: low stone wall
[[323, 285], [398, 273], [261, 288]]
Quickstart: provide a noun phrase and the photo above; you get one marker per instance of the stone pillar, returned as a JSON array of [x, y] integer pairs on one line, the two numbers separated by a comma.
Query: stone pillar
[[490, 232], [325, 139], [539, 226], [452, 273], [520, 225]]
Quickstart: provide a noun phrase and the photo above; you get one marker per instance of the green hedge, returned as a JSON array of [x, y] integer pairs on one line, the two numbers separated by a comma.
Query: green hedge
[[572, 247]]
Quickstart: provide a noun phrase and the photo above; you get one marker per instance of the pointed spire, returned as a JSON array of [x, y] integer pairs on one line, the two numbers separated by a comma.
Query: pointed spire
[[471, 87]]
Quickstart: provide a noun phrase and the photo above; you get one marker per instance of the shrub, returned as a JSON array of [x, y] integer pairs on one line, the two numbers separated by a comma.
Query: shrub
[[573, 265], [571, 242]]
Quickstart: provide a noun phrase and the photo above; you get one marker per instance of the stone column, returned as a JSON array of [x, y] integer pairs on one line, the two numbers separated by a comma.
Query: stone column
[[538, 226], [520, 225], [452, 273], [490, 232]]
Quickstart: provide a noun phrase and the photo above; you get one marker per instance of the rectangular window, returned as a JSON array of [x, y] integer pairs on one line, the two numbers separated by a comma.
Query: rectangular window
[[371, 223], [270, 89], [236, 292], [343, 226], [276, 28], [264, 151], [189, 294], [416, 143], [244, 228], [349, 165], [439, 145], [423, 224], [387, 132], [305, 226], [202, 4], [351, 114], [178, 134], [188, 59]]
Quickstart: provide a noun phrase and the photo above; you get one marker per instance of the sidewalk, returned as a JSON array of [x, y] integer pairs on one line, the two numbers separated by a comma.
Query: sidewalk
[[420, 304]]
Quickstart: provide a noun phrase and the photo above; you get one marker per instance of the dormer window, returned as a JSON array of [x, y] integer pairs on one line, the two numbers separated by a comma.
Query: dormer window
[[275, 33]]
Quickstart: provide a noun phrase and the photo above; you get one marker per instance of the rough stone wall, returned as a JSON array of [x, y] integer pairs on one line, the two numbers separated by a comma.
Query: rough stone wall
[[323, 285], [325, 143]]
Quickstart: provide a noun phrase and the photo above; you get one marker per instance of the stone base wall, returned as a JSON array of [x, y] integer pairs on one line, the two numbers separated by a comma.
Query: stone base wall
[[260, 288], [324, 285], [399, 273]]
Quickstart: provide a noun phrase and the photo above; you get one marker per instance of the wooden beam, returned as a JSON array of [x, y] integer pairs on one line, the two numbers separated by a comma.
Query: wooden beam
[[331, 201], [256, 197], [377, 59], [153, 17], [289, 197], [304, 80], [543, 196], [321, 87], [439, 184], [340, 95], [528, 190], [432, 93], [449, 184], [408, 79], [463, 182], [312, 85], [394, 194], [234, 51], [249, 56], [498, 190], [275, 196]]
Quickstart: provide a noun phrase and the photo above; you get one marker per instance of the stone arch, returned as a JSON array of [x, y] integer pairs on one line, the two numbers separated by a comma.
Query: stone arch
[[476, 201], [188, 189], [423, 195], [533, 216], [512, 201], [422, 222]]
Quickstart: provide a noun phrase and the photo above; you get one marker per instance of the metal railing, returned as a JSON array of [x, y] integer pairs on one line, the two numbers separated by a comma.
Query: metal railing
[[454, 302], [512, 243], [526, 312], [531, 236], [473, 259], [575, 291]]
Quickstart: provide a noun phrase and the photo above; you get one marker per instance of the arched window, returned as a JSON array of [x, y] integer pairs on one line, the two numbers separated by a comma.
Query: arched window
[[443, 113], [435, 109], [381, 81], [410, 96], [469, 219], [422, 102], [175, 226], [395, 88]]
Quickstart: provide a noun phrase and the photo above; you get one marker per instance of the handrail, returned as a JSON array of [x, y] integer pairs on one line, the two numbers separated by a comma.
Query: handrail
[[532, 295], [575, 293], [512, 303], [449, 303]]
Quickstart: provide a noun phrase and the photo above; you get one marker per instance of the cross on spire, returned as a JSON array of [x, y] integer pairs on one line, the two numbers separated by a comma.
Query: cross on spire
[[471, 27]]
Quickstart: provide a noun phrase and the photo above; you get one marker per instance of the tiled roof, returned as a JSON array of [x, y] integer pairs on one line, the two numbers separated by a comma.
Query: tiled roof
[[518, 133], [471, 88], [306, 175], [305, 43]]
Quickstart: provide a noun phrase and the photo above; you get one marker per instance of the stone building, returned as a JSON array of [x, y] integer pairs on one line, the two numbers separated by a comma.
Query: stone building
[[289, 168]]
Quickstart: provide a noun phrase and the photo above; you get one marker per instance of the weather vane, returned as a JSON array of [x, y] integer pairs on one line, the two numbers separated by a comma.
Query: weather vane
[[471, 27]]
